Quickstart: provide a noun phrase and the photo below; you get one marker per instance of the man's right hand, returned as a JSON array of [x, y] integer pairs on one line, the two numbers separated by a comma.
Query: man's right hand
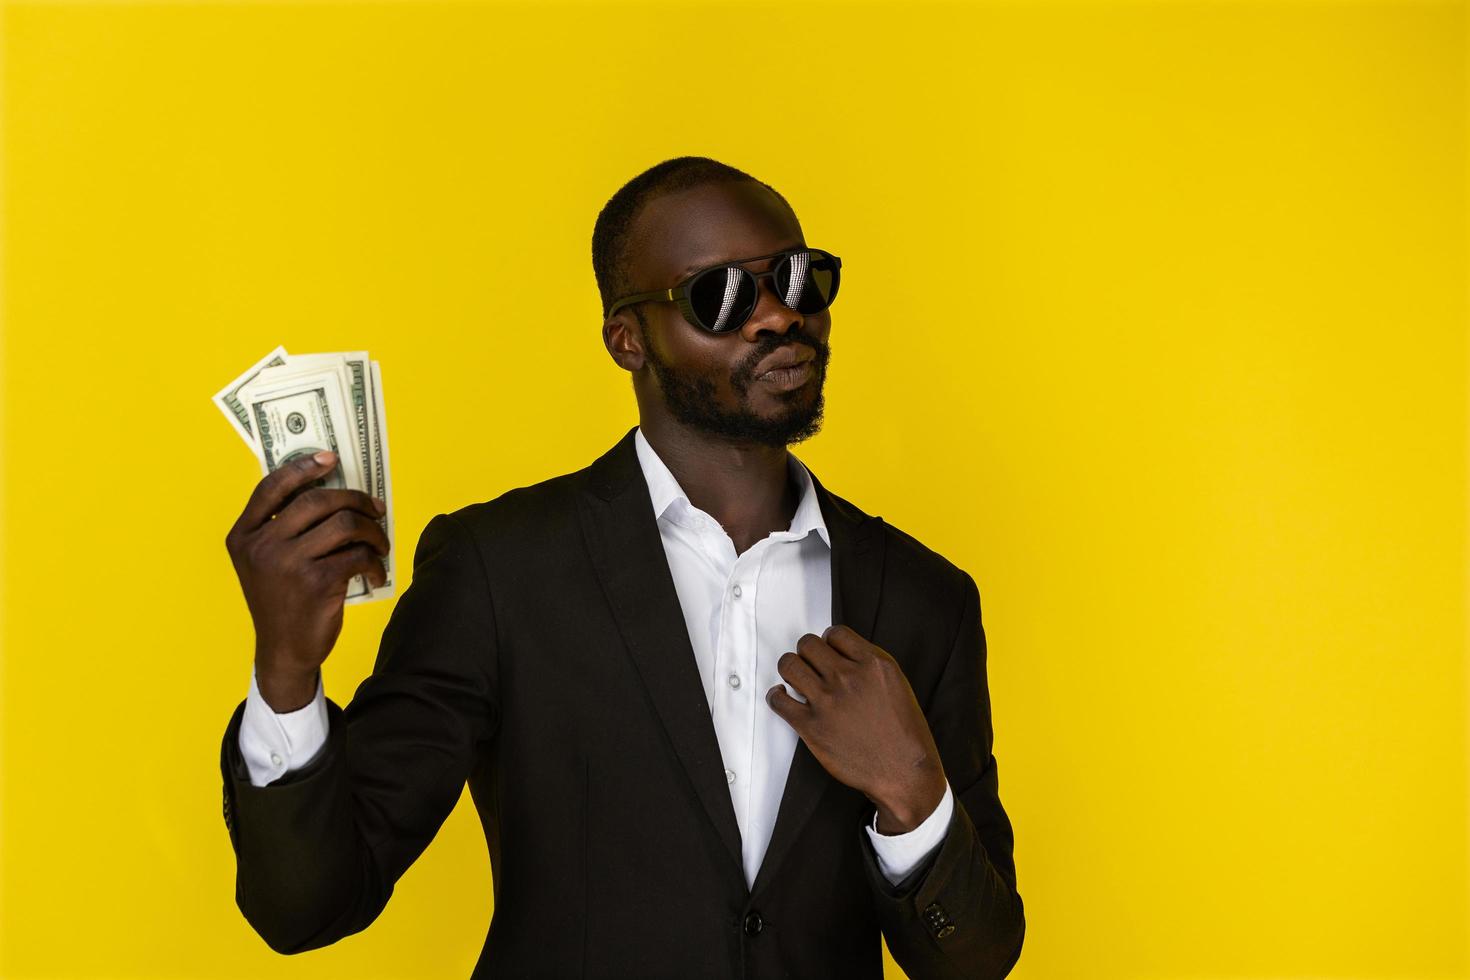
[[295, 548]]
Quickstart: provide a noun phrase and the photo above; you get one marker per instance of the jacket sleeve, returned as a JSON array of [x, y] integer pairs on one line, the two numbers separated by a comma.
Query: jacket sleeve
[[959, 915], [318, 851]]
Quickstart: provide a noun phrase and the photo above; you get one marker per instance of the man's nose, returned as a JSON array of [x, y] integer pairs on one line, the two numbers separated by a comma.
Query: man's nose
[[770, 314]]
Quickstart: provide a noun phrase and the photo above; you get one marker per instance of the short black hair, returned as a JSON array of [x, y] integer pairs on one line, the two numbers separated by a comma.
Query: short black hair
[[614, 226]]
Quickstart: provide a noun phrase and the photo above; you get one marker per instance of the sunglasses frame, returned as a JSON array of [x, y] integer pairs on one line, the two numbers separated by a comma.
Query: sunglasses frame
[[679, 293]]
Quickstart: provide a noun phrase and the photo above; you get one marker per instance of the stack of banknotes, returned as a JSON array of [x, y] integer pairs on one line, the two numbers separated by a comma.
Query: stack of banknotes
[[291, 405]]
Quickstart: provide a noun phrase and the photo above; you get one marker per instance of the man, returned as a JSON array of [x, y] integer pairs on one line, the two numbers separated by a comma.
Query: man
[[716, 720]]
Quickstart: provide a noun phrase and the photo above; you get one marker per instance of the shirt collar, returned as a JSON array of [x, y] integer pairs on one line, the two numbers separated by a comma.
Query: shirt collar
[[670, 501]]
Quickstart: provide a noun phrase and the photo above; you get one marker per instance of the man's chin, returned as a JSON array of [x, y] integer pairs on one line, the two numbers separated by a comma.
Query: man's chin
[[791, 418], [757, 430], [788, 431], [795, 427]]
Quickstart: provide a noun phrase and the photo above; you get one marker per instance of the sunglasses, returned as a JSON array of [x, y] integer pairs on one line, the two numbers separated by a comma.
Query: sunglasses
[[721, 298]]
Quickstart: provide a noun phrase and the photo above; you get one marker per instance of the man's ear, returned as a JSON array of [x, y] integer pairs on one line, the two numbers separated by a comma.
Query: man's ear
[[624, 341]]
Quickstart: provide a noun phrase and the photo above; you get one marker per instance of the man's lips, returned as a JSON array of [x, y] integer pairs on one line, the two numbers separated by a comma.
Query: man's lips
[[789, 379], [786, 358]]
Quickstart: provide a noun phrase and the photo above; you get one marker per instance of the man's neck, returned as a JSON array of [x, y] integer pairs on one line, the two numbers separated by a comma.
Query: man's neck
[[747, 488]]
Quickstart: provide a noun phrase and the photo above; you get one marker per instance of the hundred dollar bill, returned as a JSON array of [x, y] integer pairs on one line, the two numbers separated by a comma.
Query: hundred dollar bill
[[380, 468], [294, 405], [354, 371], [228, 403], [304, 416], [364, 415]]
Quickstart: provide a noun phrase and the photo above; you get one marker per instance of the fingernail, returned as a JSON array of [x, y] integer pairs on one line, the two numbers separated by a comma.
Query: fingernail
[[324, 457], [381, 507]]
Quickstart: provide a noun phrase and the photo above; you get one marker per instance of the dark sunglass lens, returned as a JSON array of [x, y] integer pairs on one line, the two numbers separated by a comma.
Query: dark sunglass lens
[[723, 299], [807, 281]]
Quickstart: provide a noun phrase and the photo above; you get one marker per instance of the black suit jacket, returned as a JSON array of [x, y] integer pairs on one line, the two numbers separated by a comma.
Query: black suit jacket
[[540, 653]]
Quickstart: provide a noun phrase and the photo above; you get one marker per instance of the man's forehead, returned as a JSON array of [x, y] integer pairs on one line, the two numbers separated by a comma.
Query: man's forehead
[[686, 230]]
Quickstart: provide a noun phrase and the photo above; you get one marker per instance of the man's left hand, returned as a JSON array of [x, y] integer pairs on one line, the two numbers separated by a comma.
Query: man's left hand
[[862, 723]]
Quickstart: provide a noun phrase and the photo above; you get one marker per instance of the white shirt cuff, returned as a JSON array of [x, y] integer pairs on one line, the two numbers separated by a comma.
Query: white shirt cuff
[[900, 854], [274, 743]]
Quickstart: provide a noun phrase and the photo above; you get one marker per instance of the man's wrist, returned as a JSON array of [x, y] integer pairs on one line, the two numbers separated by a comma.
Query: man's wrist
[[287, 692], [905, 810]]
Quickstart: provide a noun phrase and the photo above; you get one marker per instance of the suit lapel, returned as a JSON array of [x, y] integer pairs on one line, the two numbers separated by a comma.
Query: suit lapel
[[628, 557]]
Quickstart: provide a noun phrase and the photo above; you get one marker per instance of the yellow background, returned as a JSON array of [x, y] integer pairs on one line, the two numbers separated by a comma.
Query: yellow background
[[1154, 321]]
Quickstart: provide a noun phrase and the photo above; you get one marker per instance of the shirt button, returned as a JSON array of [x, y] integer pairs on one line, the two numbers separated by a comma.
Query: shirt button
[[275, 759], [735, 680], [736, 590], [729, 775]]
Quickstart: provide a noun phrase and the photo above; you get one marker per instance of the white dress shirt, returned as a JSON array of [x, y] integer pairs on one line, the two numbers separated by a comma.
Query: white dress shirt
[[742, 612]]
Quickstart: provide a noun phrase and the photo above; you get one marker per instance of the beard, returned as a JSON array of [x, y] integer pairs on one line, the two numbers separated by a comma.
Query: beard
[[691, 399]]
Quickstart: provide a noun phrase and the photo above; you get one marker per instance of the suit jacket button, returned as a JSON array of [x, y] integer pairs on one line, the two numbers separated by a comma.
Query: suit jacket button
[[938, 920], [753, 923]]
